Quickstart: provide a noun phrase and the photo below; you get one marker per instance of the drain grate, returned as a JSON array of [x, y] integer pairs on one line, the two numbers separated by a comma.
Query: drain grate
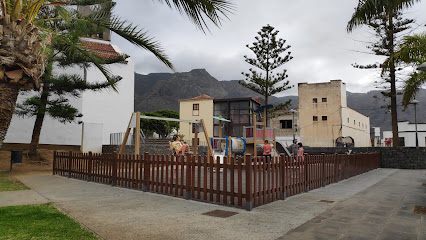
[[220, 213], [326, 201], [420, 210]]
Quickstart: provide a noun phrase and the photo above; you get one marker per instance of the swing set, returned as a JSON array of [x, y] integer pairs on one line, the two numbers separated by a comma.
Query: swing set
[[135, 122]]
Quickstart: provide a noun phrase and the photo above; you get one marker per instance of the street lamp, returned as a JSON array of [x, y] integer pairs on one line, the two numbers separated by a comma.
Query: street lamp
[[292, 127], [422, 67], [415, 102]]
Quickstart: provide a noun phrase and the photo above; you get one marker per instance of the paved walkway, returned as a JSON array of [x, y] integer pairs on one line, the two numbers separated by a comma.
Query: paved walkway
[[24, 197], [383, 211], [117, 213]]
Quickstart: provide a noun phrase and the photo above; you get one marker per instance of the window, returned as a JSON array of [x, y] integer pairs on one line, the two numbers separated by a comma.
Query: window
[[359, 124], [286, 124], [324, 118], [324, 99], [195, 109], [354, 122], [315, 100], [315, 118]]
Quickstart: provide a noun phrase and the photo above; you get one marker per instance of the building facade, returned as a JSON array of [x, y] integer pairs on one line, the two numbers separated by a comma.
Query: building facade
[[103, 112], [407, 134], [237, 110], [325, 119]]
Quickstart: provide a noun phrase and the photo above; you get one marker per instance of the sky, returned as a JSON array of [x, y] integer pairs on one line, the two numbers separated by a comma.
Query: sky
[[315, 30]]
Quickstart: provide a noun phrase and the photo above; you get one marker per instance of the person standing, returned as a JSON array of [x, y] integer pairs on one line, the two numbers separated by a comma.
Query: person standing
[[293, 148], [267, 150], [300, 152]]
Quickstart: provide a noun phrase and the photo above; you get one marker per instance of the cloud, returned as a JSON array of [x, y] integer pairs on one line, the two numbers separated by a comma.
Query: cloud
[[316, 30]]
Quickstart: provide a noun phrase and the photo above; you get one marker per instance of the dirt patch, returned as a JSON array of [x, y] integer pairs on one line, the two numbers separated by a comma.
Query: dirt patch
[[41, 163], [420, 210]]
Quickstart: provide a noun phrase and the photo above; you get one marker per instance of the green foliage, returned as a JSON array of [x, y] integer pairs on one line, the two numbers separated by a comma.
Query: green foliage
[[10, 184], [267, 50], [39, 222], [163, 128], [412, 51]]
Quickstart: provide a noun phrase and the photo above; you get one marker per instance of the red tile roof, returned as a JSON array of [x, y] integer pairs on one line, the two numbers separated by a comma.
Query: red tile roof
[[201, 97], [103, 50]]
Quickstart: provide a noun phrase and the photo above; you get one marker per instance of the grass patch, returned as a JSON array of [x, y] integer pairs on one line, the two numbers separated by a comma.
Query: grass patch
[[39, 222], [10, 184]]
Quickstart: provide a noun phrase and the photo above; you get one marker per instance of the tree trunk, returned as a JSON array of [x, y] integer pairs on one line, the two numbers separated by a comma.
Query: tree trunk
[[8, 95], [394, 107], [35, 138]]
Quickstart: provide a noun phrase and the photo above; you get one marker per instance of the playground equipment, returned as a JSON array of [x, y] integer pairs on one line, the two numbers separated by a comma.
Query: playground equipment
[[255, 136], [227, 146], [135, 122]]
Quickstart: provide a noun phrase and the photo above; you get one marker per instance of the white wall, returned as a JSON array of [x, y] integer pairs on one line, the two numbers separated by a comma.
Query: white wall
[[109, 108], [408, 132], [91, 139], [112, 109]]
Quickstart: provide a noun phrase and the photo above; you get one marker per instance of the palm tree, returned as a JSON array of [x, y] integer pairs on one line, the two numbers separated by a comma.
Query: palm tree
[[411, 51], [24, 38], [365, 12]]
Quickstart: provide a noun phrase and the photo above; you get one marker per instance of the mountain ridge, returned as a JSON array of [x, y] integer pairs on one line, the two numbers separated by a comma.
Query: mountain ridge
[[156, 91]]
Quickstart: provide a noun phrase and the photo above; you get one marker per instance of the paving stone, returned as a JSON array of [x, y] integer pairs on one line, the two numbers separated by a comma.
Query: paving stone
[[358, 236], [387, 235], [401, 227], [321, 236], [330, 226]]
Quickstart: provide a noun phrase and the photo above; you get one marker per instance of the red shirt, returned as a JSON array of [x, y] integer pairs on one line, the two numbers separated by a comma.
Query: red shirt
[[267, 149]]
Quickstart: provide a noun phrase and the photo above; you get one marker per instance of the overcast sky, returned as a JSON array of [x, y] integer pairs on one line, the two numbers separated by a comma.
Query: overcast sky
[[316, 31]]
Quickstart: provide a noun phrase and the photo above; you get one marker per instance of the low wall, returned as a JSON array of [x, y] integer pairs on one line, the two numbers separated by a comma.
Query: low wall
[[391, 157]]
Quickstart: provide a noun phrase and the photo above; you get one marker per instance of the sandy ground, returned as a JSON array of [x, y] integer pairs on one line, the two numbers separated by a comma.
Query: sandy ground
[[28, 166]]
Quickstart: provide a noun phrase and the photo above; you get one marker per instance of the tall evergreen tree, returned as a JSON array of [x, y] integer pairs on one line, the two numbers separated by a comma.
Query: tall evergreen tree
[[267, 50], [385, 18]]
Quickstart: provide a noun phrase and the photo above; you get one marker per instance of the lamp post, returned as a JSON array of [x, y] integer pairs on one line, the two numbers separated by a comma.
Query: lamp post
[[415, 102], [292, 127]]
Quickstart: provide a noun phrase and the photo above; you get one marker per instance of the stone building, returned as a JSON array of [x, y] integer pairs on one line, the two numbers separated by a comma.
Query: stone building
[[326, 120]]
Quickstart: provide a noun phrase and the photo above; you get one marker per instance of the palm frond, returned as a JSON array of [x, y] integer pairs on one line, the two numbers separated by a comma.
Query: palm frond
[[412, 86], [197, 10], [367, 9]]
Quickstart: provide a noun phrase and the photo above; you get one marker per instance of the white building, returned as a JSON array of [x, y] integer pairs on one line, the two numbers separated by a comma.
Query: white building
[[407, 133], [103, 112]]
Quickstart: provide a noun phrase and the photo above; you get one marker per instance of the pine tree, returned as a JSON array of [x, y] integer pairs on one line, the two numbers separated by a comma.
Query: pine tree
[[385, 18], [267, 50]]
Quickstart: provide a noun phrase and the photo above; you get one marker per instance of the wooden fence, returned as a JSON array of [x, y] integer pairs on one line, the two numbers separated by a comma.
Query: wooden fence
[[246, 182]]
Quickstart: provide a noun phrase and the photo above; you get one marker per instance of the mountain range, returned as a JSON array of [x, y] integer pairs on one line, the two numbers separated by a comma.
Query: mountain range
[[158, 91]]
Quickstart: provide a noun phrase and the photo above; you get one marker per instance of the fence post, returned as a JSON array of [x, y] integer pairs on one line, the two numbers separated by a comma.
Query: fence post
[[54, 163], [89, 167], [69, 163], [188, 176], [146, 168], [114, 168], [249, 187], [283, 174], [307, 173], [323, 169], [336, 177]]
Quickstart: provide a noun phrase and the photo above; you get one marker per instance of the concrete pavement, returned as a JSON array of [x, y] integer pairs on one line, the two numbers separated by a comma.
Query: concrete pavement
[[117, 213], [383, 211]]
